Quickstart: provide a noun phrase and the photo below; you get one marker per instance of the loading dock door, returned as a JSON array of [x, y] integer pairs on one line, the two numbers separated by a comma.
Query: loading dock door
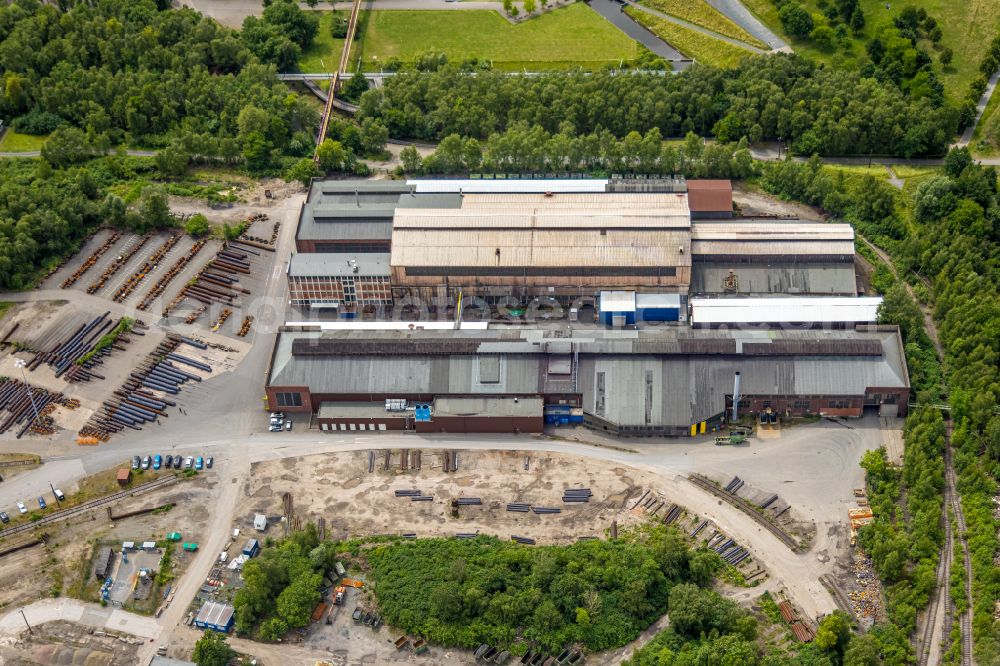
[[888, 410]]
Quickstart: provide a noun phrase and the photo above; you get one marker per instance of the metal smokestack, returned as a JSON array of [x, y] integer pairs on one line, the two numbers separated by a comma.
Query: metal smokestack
[[736, 397]]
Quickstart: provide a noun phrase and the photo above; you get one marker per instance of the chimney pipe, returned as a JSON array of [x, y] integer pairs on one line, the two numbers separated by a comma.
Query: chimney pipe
[[736, 397]]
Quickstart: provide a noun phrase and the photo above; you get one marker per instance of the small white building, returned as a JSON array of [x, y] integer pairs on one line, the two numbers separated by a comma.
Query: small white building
[[260, 522]]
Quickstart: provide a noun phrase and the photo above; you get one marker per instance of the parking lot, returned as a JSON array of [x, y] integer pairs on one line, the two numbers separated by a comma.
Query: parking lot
[[127, 576]]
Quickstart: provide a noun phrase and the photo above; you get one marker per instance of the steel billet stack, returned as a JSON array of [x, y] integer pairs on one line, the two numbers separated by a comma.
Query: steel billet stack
[[577, 495]]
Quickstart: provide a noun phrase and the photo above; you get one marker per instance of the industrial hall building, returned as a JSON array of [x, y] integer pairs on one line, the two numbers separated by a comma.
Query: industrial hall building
[[666, 381]]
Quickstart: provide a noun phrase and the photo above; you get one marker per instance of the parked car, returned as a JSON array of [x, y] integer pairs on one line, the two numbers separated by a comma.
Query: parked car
[[59, 495], [275, 427], [288, 424], [4, 518], [277, 415], [157, 461], [178, 461], [209, 461], [21, 507], [199, 463], [135, 462], [188, 462], [41, 503], [168, 462], [145, 462]]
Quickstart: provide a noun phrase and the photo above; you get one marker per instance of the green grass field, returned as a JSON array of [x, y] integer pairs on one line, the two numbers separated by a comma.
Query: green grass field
[[967, 25], [571, 36], [701, 13], [13, 142], [696, 45], [324, 54]]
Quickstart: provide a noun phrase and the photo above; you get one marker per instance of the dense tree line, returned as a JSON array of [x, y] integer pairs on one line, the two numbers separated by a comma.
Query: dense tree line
[[950, 232], [597, 593], [45, 213], [123, 72], [815, 109], [524, 148]]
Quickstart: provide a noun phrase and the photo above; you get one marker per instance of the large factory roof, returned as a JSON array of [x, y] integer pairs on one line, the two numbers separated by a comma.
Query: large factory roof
[[689, 372], [513, 185], [710, 196], [545, 230]]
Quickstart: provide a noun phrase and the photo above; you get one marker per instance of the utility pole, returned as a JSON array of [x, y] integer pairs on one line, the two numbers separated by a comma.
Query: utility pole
[[25, 621], [20, 363]]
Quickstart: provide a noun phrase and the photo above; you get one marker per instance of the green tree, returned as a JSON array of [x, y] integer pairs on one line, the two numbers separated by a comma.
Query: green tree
[[333, 156], [212, 650], [374, 136], [795, 19], [529, 6], [411, 160], [297, 601], [862, 651], [172, 160], [197, 225], [301, 27], [304, 171], [154, 210], [946, 56], [356, 86], [834, 632], [66, 146]]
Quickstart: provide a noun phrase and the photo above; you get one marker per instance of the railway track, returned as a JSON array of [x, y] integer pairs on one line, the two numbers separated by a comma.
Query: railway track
[[89, 506], [782, 536], [965, 619], [345, 56]]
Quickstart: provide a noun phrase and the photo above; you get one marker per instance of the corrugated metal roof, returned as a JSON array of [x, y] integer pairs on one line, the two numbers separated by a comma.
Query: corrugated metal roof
[[312, 264], [413, 247], [775, 278], [215, 614], [825, 248], [570, 219], [513, 185], [710, 195], [789, 310], [766, 230], [357, 410]]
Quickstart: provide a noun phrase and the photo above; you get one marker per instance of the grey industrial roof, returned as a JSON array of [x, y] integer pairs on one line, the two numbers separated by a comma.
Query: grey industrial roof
[[488, 406], [337, 264], [431, 200], [350, 210], [775, 278], [215, 613], [690, 371], [167, 661], [356, 410]]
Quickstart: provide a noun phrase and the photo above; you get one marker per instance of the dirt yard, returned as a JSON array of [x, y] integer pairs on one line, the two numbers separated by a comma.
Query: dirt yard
[[68, 643], [752, 204], [353, 502]]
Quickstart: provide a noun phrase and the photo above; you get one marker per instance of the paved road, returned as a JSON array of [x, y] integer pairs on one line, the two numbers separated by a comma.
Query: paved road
[[742, 16], [80, 612], [612, 11], [689, 26], [980, 108]]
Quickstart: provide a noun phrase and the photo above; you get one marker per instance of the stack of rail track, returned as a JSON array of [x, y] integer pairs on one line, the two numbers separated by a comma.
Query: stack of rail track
[[256, 241], [245, 327], [91, 261], [142, 398], [20, 400], [83, 370], [117, 265], [169, 276], [152, 261]]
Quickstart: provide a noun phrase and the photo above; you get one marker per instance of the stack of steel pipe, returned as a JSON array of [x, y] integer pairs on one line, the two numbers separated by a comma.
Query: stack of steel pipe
[[117, 265], [66, 353], [468, 501], [194, 343], [240, 248], [544, 510], [525, 540], [465, 535], [578, 495], [189, 361], [734, 485], [519, 508], [22, 400], [422, 498], [90, 262], [408, 493], [769, 501], [673, 513], [152, 261], [171, 273], [699, 528]]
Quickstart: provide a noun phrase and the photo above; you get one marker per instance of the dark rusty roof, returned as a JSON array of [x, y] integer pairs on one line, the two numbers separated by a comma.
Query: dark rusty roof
[[709, 196]]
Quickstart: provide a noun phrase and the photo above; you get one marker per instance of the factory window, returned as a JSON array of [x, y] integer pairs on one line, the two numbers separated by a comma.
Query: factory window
[[289, 399], [890, 398], [766, 404], [542, 271], [804, 405], [839, 404]]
